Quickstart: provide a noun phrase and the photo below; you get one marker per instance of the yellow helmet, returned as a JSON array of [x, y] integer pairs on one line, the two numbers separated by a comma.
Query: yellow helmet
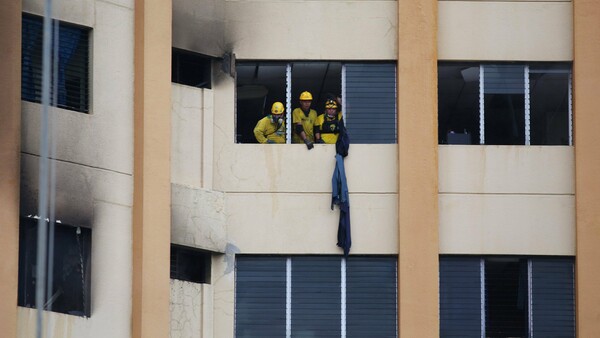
[[277, 108], [330, 104], [306, 96]]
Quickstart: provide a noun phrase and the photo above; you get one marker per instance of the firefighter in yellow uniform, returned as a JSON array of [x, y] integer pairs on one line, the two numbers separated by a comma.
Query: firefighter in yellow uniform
[[303, 120], [327, 126], [271, 128]]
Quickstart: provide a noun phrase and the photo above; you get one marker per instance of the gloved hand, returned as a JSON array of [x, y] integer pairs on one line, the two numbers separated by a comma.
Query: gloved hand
[[320, 141], [270, 141], [308, 143]]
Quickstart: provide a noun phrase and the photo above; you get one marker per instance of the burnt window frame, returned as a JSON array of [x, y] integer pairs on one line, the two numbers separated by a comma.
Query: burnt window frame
[[190, 264], [77, 300], [191, 69]]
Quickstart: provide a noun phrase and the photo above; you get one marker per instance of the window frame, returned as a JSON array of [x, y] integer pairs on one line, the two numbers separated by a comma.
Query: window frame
[[57, 232], [290, 100], [32, 49], [462, 292], [563, 68], [291, 286]]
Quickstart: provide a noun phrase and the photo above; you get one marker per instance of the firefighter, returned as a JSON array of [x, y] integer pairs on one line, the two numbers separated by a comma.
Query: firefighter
[[271, 128], [303, 119], [328, 125]]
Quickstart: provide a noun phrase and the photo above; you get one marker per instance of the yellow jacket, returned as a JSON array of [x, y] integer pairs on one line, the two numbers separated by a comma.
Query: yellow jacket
[[272, 131], [308, 122], [328, 128]]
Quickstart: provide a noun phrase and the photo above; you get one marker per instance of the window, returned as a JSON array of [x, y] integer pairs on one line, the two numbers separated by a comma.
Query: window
[[315, 296], [191, 68], [507, 296], [190, 265], [72, 58], [505, 104], [368, 93], [68, 274]]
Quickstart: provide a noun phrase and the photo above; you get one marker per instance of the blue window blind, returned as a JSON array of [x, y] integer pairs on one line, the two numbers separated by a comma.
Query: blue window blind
[[316, 297], [504, 79], [72, 80], [371, 297], [327, 296], [524, 296], [553, 297], [260, 297], [371, 102], [460, 297]]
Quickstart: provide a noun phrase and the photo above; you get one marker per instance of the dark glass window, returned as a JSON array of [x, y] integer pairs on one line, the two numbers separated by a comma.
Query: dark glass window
[[504, 104], [550, 102], [191, 69], [190, 265], [507, 296], [68, 274], [71, 67]]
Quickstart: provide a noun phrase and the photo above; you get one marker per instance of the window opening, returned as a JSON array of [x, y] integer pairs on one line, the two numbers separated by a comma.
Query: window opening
[[368, 95], [507, 296], [71, 60], [70, 285], [259, 85], [550, 104], [505, 104], [191, 69], [191, 265]]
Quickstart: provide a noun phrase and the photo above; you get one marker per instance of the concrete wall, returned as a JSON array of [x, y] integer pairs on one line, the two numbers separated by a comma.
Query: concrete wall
[[507, 200], [199, 25], [312, 30], [191, 310], [94, 166], [505, 30]]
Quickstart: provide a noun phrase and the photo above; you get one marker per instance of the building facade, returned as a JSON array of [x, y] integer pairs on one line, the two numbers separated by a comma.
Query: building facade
[[471, 171]]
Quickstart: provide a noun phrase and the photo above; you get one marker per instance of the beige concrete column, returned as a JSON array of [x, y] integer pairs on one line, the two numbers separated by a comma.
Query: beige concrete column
[[586, 83], [417, 169], [10, 147], [152, 178]]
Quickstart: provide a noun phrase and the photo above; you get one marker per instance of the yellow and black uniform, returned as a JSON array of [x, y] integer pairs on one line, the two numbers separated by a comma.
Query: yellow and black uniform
[[270, 129], [308, 122], [328, 127]]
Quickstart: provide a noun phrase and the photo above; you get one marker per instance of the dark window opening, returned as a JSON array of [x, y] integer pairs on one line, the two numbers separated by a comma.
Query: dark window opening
[[458, 103], [550, 102], [72, 79], [511, 104], [190, 265], [259, 85], [506, 302], [191, 69], [70, 281], [504, 119], [369, 89]]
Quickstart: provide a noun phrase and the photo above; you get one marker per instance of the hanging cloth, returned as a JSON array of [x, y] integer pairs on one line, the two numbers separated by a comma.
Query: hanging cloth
[[340, 198]]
